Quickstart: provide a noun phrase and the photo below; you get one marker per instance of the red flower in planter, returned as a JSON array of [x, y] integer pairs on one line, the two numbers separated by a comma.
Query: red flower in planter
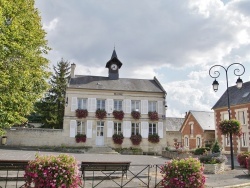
[[100, 113], [230, 126], [153, 116], [118, 114], [80, 138], [136, 139], [118, 138], [153, 138], [81, 113], [136, 114]]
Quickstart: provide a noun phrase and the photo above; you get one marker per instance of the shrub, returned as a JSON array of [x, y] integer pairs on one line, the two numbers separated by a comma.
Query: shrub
[[100, 113], [216, 147], [201, 151], [153, 116], [153, 138], [136, 115], [136, 139], [242, 158], [52, 171], [248, 164], [183, 173], [210, 159], [80, 138], [81, 113], [118, 138], [118, 114]]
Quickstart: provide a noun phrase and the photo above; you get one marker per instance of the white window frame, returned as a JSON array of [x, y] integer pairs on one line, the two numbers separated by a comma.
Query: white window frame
[[198, 142], [118, 105], [227, 140], [243, 119], [152, 106], [152, 128], [224, 116], [135, 128], [117, 127], [135, 105], [100, 104], [186, 141], [82, 103], [243, 140], [191, 124], [81, 127]]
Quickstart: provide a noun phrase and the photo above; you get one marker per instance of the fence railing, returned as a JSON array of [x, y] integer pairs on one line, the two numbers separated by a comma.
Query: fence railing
[[136, 176]]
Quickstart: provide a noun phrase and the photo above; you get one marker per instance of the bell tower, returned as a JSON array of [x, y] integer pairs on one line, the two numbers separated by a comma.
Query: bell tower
[[114, 64]]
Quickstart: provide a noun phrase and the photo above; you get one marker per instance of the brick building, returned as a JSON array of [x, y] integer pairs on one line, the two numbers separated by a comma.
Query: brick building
[[198, 129], [239, 109]]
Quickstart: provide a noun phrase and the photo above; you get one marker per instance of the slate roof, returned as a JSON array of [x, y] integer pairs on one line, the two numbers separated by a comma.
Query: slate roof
[[236, 96], [205, 119], [174, 124], [121, 84]]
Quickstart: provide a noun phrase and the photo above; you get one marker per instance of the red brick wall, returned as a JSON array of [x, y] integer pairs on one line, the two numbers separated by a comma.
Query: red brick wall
[[233, 116], [197, 130]]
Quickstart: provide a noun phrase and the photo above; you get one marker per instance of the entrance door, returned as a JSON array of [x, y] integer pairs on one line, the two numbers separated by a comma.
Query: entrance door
[[100, 133]]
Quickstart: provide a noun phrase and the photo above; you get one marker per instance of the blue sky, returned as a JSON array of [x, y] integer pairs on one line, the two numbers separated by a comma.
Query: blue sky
[[177, 41]]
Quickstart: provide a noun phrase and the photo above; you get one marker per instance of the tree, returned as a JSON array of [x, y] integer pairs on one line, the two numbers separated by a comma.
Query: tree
[[51, 107], [22, 64]]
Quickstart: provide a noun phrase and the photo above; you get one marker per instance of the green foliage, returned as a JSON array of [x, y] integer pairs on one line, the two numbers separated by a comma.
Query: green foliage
[[183, 173], [22, 63], [201, 151], [210, 159], [216, 147], [51, 107]]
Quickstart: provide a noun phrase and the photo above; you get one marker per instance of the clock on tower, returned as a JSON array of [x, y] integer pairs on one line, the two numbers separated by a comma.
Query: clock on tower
[[114, 65]]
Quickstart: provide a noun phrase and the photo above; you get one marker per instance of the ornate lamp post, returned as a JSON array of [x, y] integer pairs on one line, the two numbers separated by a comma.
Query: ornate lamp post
[[239, 84]]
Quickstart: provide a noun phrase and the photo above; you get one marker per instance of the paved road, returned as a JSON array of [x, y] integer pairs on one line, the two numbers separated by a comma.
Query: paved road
[[228, 179], [135, 159]]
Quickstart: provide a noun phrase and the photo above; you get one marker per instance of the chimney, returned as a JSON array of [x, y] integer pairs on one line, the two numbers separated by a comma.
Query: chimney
[[72, 72]]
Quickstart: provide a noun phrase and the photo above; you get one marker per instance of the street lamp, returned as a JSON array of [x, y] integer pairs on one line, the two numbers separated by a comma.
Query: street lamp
[[239, 84]]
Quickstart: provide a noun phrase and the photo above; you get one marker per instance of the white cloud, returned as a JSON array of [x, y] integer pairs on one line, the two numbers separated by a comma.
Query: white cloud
[[152, 36], [51, 26]]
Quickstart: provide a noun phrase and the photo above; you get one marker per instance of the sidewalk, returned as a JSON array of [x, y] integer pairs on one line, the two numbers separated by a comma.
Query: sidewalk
[[229, 178]]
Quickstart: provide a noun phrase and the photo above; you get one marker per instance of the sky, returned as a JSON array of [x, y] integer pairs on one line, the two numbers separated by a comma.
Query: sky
[[177, 41]]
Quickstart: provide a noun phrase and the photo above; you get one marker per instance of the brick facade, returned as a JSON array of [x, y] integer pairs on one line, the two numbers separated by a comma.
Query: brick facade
[[237, 143], [192, 130]]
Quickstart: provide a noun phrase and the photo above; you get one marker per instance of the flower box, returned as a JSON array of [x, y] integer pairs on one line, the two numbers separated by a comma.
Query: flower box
[[154, 138], [136, 115], [100, 113], [153, 116], [81, 113], [118, 114], [118, 138], [80, 138], [136, 139]]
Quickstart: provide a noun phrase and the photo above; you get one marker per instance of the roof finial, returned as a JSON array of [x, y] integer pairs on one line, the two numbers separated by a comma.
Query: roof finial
[[114, 53]]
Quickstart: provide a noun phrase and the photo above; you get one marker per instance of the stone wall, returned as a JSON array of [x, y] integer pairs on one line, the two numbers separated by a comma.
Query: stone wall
[[214, 168], [176, 154], [38, 137], [58, 137]]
